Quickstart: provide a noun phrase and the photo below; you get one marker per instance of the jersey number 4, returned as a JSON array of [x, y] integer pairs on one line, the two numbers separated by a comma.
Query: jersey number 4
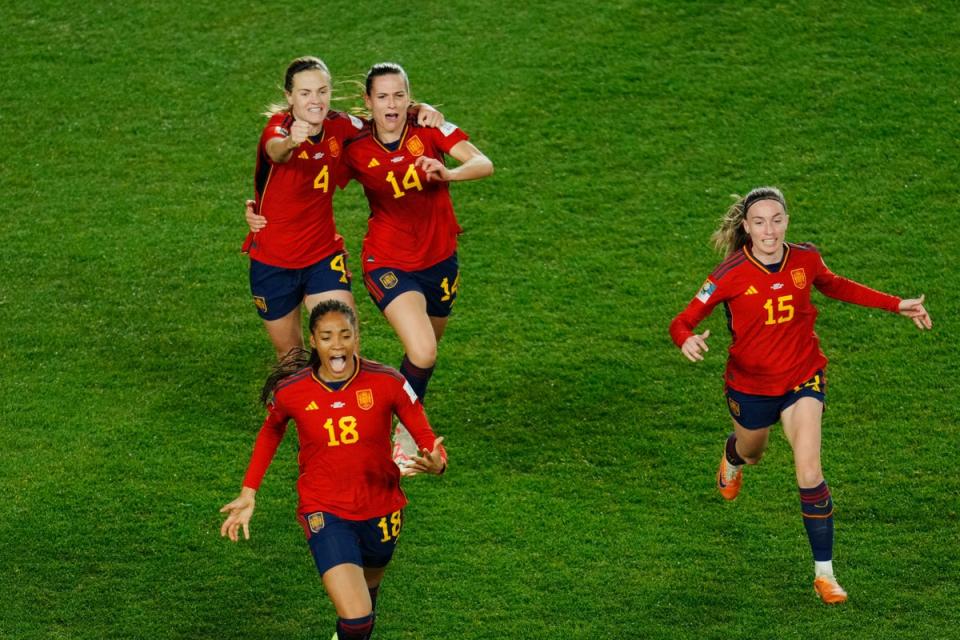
[[322, 181], [784, 310]]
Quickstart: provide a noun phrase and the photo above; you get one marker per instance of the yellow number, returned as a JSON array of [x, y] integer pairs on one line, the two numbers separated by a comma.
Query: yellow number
[[337, 264], [348, 431], [447, 289], [396, 520], [785, 309], [410, 181], [328, 425], [322, 181]]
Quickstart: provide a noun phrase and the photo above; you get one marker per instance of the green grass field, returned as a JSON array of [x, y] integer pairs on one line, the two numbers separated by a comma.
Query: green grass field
[[580, 499]]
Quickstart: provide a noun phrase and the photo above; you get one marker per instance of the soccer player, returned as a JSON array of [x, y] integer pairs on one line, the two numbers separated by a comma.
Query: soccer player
[[350, 501], [409, 255], [299, 258], [775, 368]]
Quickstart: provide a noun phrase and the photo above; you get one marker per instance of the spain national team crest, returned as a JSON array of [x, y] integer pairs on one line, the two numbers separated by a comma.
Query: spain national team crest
[[389, 280], [734, 406], [334, 147], [799, 278], [261, 303], [415, 146], [365, 399], [315, 521]]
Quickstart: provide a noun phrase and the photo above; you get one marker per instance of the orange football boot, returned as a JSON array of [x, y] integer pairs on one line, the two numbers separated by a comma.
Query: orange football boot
[[829, 590], [728, 480]]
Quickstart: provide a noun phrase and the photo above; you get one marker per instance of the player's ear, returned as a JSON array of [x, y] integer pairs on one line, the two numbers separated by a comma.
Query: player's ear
[[313, 343]]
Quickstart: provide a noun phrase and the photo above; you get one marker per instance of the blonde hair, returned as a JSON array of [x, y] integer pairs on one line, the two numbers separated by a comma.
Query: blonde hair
[[730, 236]]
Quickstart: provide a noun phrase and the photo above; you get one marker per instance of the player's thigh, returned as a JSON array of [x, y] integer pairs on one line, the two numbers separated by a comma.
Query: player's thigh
[[276, 290], [802, 427], [347, 587], [313, 299], [285, 333], [407, 314], [751, 443]]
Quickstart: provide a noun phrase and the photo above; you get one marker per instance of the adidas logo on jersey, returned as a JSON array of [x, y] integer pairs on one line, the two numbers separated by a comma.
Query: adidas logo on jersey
[[373, 163], [311, 407], [752, 290], [303, 155]]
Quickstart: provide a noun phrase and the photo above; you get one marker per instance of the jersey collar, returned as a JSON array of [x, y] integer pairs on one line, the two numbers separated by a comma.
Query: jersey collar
[[356, 372], [403, 138], [763, 267]]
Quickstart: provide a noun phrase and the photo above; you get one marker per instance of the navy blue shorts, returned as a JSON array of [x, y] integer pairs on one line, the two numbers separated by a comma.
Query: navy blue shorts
[[278, 291], [365, 543], [438, 284], [759, 412]]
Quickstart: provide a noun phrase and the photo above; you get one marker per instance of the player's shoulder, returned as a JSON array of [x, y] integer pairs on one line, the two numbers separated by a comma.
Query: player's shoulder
[[728, 265], [279, 121], [446, 130], [803, 247], [362, 135], [290, 383], [345, 121], [374, 368]]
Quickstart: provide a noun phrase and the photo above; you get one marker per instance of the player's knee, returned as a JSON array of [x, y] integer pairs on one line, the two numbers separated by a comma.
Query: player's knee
[[424, 354], [809, 476]]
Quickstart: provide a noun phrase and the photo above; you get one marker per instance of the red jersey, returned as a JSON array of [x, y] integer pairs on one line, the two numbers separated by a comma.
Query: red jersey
[[771, 317], [296, 196], [412, 225], [346, 462]]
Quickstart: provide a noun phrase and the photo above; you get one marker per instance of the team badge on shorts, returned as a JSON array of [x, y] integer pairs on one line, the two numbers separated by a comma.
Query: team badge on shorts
[[389, 280], [334, 147], [799, 278], [734, 407], [261, 303], [415, 146], [315, 521], [365, 399]]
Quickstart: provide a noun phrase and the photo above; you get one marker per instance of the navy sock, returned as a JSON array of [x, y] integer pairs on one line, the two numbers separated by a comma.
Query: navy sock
[[373, 597], [355, 628], [817, 507], [732, 456], [418, 377]]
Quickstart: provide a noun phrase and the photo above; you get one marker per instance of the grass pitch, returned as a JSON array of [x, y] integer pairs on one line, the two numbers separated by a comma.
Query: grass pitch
[[580, 502]]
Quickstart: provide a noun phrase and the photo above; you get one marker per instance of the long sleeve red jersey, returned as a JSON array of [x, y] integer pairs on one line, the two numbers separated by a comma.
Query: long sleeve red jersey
[[345, 458], [771, 317]]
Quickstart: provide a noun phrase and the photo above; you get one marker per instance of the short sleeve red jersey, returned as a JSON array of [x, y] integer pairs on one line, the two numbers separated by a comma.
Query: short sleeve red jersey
[[771, 317], [296, 196], [345, 459], [412, 225]]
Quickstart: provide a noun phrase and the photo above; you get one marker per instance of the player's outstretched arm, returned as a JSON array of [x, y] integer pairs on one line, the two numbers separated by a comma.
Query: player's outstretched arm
[[255, 221], [694, 346], [473, 165], [913, 308], [240, 510], [434, 462]]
